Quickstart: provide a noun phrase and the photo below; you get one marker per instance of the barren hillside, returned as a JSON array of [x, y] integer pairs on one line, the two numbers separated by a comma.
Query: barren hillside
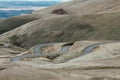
[[76, 40], [99, 21], [82, 7], [100, 64], [67, 28]]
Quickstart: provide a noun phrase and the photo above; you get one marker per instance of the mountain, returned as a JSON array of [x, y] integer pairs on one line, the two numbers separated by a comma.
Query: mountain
[[13, 4], [14, 22], [75, 40], [16, 8], [98, 21], [9, 9], [81, 7]]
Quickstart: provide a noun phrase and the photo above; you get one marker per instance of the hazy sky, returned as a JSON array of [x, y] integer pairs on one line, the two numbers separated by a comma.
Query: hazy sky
[[34, 0]]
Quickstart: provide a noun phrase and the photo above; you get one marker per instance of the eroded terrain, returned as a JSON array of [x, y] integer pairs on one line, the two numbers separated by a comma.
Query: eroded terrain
[[48, 62]]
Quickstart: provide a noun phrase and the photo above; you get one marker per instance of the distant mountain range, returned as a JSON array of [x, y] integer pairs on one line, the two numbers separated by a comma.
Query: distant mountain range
[[6, 4], [10, 13], [21, 7]]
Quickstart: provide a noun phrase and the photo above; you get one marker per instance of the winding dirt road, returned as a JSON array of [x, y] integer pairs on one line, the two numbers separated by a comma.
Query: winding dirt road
[[38, 52], [90, 48]]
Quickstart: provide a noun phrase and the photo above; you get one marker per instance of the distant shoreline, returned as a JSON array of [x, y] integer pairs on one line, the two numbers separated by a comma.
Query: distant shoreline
[[22, 8], [10, 12], [15, 8], [1, 19]]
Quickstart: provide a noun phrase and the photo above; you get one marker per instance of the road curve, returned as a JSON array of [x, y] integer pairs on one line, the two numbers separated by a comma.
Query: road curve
[[38, 52], [90, 48]]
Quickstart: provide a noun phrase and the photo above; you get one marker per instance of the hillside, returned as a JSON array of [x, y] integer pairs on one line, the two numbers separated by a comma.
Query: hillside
[[14, 22], [81, 7], [66, 28], [76, 7], [100, 64], [99, 22], [76, 40]]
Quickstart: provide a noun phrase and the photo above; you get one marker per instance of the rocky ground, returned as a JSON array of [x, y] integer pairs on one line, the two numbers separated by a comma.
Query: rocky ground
[[100, 64], [76, 40], [66, 22]]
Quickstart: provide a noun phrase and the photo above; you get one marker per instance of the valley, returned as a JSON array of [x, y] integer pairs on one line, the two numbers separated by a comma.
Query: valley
[[74, 40]]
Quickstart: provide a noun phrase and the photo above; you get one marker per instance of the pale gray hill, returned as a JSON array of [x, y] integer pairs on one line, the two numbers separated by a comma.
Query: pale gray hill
[[82, 44], [99, 21], [14, 22], [76, 7], [66, 28], [86, 7], [1, 20]]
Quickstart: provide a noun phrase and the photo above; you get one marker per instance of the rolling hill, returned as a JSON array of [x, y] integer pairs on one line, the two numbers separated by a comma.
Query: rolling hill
[[98, 21], [76, 40]]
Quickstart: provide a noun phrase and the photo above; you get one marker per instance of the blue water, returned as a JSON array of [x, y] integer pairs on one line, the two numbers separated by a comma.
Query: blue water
[[10, 13], [22, 4]]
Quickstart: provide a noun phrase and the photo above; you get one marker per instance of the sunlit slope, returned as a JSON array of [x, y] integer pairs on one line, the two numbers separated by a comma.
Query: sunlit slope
[[67, 28], [86, 7], [79, 7]]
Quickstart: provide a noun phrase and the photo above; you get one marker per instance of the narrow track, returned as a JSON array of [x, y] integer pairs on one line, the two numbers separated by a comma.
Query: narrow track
[[38, 52]]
